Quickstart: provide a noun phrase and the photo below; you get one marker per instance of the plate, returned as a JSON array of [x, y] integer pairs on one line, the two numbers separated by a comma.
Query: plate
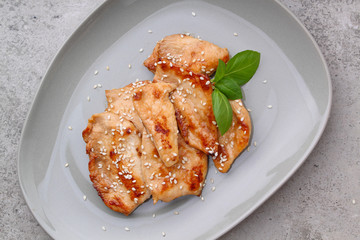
[[289, 98]]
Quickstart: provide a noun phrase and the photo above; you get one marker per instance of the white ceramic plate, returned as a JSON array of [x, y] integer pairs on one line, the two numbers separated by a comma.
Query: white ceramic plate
[[298, 88]]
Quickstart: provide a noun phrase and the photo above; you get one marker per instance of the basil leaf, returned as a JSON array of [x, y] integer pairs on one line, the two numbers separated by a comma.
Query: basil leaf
[[242, 66], [222, 111], [220, 71], [228, 80], [230, 88]]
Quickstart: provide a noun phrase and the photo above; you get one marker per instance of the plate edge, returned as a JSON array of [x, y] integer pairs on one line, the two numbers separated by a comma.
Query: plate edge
[[81, 26], [313, 144]]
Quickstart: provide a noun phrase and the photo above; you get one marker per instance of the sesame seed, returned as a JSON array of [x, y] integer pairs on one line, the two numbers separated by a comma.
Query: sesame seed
[[255, 143], [69, 127], [84, 197], [103, 228], [235, 34], [211, 180], [154, 215], [107, 68], [176, 213], [207, 82], [213, 189], [149, 31], [269, 106], [141, 50], [129, 66], [66, 164], [265, 81], [353, 201], [127, 229], [96, 72], [202, 198], [194, 14], [95, 86], [99, 85], [88, 98]]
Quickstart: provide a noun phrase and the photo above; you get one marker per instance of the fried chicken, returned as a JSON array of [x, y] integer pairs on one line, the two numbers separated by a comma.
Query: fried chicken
[[154, 137], [113, 145], [194, 114], [187, 52], [184, 178], [236, 139], [157, 113], [120, 102]]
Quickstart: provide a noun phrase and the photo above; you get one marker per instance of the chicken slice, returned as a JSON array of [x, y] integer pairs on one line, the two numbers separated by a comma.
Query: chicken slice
[[194, 114], [157, 113], [184, 178], [120, 102], [113, 145], [187, 52], [236, 139], [169, 74]]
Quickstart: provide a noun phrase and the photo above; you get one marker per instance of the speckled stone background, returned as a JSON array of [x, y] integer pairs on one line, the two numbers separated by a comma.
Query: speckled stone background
[[321, 201]]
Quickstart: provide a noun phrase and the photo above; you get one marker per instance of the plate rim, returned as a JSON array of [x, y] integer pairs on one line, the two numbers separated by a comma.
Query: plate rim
[[94, 12], [82, 26]]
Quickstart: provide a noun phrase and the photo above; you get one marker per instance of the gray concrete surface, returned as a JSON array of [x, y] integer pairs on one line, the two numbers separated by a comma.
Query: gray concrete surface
[[321, 201]]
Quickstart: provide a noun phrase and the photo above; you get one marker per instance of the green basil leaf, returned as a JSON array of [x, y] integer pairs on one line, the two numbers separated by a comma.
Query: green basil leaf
[[222, 111], [242, 66], [230, 88], [220, 71]]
